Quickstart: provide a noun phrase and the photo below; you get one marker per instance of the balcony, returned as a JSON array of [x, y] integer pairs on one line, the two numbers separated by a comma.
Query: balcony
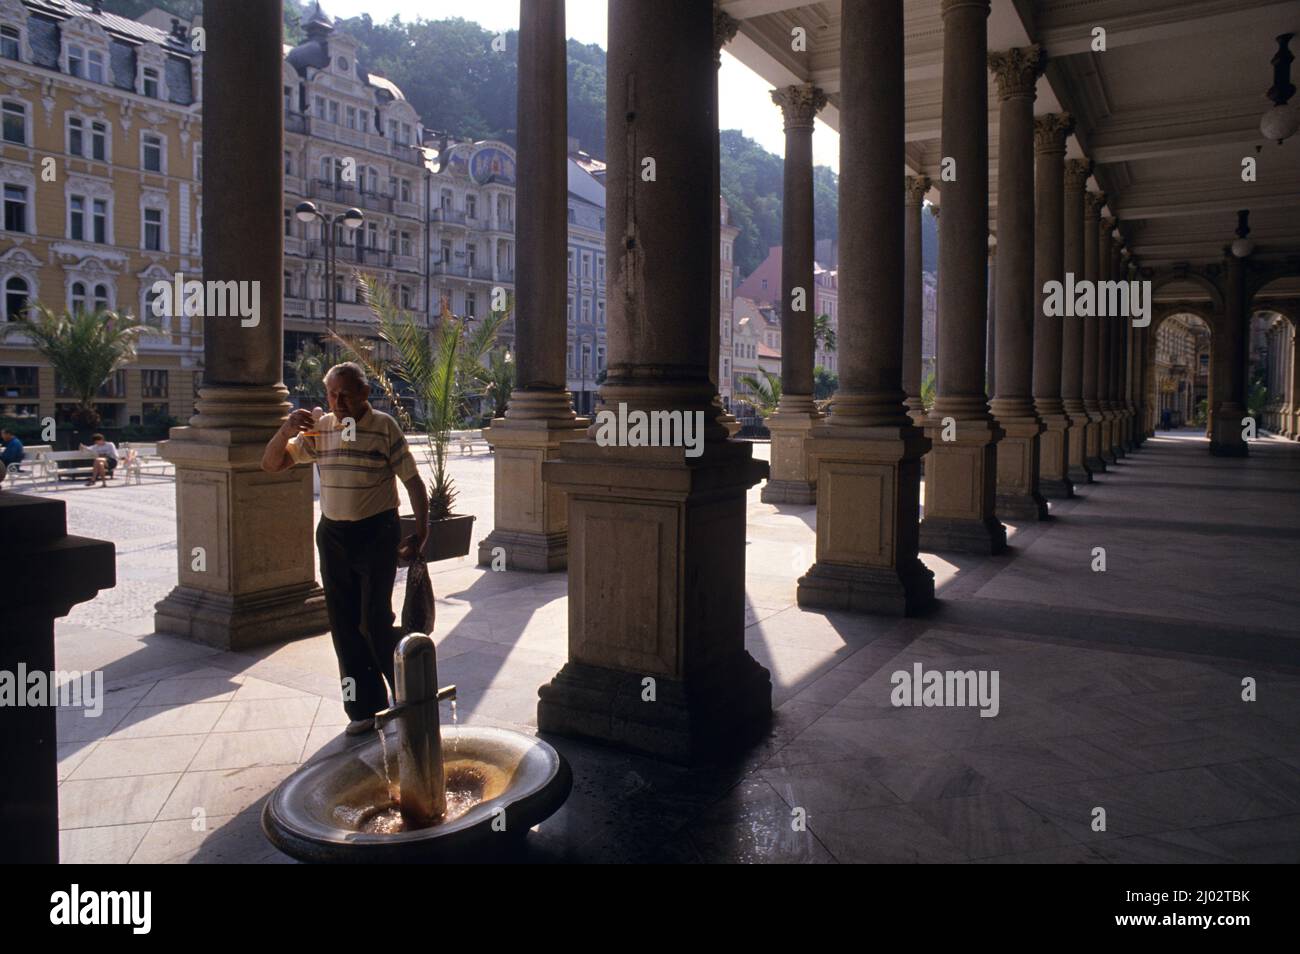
[[407, 263], [374, 257], [450, 268], [407, 210], [447, 216], [341, 192], [483, 272], [376, 201], [297, 123]]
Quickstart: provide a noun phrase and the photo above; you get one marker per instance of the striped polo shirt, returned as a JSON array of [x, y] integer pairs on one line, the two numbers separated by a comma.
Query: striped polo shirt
[[356, 476]]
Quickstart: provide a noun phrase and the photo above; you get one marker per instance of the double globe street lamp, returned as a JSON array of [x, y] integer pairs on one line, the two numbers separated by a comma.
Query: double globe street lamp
[[352, 218]]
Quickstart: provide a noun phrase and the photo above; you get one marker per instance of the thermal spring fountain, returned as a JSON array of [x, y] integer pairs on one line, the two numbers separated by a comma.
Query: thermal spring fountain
[[462, 801]]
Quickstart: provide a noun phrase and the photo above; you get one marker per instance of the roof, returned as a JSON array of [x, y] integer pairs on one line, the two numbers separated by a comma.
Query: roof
[[122, 27]]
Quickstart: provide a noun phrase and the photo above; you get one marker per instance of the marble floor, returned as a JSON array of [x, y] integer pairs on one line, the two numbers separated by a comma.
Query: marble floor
[[1121, 733]]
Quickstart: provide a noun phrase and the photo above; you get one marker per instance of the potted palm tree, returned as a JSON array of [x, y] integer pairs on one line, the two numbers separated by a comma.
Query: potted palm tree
[[85, 349], [443, 369]]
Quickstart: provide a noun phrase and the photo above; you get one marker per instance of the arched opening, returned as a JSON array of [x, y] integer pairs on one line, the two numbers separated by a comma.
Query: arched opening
[[1181, 361]]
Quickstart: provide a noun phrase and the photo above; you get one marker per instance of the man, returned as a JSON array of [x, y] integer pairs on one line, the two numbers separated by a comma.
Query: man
[[11, 451], [359, 452], [105, 460]]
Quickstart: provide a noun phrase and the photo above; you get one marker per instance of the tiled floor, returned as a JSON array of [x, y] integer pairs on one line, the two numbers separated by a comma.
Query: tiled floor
[[1119, 692]]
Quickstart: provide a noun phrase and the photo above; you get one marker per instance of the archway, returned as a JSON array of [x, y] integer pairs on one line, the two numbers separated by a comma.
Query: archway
[[1179, 368]]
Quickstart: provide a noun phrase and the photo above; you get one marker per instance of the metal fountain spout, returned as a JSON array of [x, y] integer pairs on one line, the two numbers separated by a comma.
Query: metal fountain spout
[[419, 736]]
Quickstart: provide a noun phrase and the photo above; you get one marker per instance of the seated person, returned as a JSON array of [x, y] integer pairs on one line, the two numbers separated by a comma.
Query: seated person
[[105, 460], [11, 451]]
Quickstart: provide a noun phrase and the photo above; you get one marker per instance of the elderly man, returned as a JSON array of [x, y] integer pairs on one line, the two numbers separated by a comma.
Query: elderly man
[[359, 452]]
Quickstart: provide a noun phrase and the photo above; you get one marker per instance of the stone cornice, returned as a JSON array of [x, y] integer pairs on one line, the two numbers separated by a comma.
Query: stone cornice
[[1050, 132], [799, 104], [1017, 70]]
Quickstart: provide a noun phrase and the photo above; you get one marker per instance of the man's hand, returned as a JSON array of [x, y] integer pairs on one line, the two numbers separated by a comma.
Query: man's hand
[[413, 546], [276, 458], [297, 422]]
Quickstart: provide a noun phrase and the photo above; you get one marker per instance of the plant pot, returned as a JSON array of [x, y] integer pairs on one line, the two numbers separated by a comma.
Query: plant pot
[[448, 537]]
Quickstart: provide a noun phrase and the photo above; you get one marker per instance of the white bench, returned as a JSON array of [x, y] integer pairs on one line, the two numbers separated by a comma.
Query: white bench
[[143, 458], [68, 464]]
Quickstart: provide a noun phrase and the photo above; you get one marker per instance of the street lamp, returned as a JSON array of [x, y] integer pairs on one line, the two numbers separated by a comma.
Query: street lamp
[[352, 218]]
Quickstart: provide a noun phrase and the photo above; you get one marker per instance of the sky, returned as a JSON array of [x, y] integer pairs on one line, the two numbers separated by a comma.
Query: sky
[[744, 98]]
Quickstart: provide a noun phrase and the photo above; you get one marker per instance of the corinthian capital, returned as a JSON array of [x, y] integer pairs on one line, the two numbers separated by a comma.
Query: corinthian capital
[[1017, 70], [916, 187], [1050, 132], [1076, 174], [724, 30], [1094, 202], [799, 104]]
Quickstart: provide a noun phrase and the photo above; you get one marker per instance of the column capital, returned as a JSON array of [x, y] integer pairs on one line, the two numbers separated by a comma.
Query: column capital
[[1108, 226], [1076, 174], [915, 188], [948, 6], [1094, 202], [724, 31], [1050, 132], [799, 104], [1017, 70]]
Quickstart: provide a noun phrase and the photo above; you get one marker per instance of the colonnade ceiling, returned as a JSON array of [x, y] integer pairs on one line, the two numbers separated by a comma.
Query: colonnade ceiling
[[1167, 112]]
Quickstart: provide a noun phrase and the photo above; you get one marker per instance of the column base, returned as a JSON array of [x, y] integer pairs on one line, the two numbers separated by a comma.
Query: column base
[[530, 519], [1225, 434], [534, 552], [1018, 495], [788, 492], [722, 712], [242, 621], [868, 501], [1079, 474], [1076, 470], [793, 477], [885, 591], [961, 483], [1053, 460], [1021, 507]]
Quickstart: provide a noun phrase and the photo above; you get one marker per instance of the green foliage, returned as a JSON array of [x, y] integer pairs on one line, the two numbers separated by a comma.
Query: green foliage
[[1202, 414], [765, 392], [823, 333], [1256, 399], [443, 367], [500, 380], [928, 392], [825, 384], [84, 348], [306, 373]]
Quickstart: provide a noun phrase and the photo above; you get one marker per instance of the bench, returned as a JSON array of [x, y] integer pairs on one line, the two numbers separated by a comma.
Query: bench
[[62, 465], [143, 458]]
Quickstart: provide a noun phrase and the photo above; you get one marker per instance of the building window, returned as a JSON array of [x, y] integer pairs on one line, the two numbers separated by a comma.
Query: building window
[[334, 111], [586, 264], [288, 223], [15, 122], [149, 82], [372, 235], [470, 305], [76, 60], [77, 297], [95, 66], [471, 207], [571, 258], [571, 310], [153, 384], [600, 357], [350, 115], [573, 216], [99, 221], [404, 295], [9, 43], [151, 153], [15, 208], [600, 312], [288, 100], [101, 298], [16, 295], [153, 230], [471, 255], [76, 142], [319, 102], [406, 243], [77, 218], [600, 267], [406, 190], [586, 311], [99, 141]]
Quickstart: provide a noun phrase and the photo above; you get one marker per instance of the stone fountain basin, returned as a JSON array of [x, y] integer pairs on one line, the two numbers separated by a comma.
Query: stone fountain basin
[[303, 819]]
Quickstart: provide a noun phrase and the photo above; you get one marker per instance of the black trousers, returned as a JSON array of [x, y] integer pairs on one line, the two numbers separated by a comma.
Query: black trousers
[[358, 564]]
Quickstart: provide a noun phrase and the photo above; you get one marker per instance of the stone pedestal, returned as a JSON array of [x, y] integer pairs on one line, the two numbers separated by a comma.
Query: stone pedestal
[[868, 499], [793, 477], [530, 521], [657, 592], [1018, 496], [961, 489], [46, 573], [245, 556]]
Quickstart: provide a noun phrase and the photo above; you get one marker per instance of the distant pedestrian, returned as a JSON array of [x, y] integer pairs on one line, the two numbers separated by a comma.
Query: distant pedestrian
[[11, 451], [105, 460]]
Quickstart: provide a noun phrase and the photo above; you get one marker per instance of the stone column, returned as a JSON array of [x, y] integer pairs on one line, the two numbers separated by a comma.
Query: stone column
[[1228, 381], [1092, 205], [961, 472], [868, 451], [1072, 330], [724, 29], [530, 520], [914, 191], [793, 478], [1292, 378], [990, 333], [46, 573], [657, 533], [1118, 273], [1018, 496], [1050, 132], [1105, 395], [245, 556]]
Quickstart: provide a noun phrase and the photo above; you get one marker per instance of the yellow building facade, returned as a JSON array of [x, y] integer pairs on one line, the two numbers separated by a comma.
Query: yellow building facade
[[100, 164]]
